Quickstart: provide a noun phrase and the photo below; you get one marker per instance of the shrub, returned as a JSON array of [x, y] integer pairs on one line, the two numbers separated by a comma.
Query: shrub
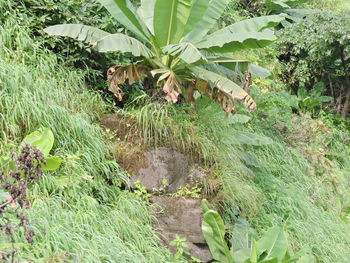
[[317, 50]]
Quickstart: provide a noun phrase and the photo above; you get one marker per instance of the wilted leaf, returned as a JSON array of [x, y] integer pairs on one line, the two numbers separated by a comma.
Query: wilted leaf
[[118, 75]]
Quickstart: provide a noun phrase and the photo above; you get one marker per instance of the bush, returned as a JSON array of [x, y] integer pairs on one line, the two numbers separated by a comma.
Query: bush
[[317, 50]]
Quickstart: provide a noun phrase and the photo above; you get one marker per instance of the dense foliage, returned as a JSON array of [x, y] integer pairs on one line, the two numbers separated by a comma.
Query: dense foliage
[[174, 43], [318, 50], [38, 14]]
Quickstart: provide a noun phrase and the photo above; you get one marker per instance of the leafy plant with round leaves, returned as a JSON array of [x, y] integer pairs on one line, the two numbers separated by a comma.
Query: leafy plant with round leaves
[[173, 46], [43, 139]]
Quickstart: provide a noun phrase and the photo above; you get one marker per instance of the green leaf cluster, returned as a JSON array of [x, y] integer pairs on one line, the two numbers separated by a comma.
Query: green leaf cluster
[[272, 247]]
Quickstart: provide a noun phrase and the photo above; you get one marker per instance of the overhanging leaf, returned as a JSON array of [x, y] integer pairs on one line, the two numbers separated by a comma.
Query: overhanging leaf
[[79, 32], [185, 51], [208, 20], [170, 19], [123, 43], [124, 12], [205, 206], [199, 7], [300, 13], [146, 13], [258, 71], [250, 33]]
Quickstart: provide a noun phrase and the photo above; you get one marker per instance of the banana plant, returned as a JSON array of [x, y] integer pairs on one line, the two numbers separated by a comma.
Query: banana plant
[[175, 48], [272, 247]]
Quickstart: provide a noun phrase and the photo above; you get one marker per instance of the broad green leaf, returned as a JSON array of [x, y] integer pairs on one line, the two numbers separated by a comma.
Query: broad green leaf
[[241, 236], [185, 51], [300, 13], [123, 43], [276, 5], [43, 139], [247, 138], [210, 17], [223, 71], [220, 82], [170, 19], [250, 33], [52, 163], [241, 256], [237, 119], [274, 243], [258, 71], [83, 33], [125, 13], [205, 206], [214, 233], [198, 10], [237, 65], [146, 13]]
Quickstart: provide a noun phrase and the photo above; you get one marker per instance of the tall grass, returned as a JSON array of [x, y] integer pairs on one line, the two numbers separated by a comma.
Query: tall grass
[[79, 214]]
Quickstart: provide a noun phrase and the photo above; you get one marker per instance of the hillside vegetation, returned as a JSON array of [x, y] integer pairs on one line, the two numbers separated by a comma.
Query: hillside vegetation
[[285, 163]]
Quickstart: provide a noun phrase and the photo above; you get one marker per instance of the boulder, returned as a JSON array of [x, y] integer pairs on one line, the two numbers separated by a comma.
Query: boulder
[[182, 217], [163, 163]]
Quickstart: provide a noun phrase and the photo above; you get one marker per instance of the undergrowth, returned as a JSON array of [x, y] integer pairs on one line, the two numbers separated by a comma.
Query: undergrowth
[[296, 181], [78, 213]]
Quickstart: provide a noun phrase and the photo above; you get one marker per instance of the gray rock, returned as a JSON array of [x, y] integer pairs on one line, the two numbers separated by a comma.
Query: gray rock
[[181, 217], [163, 163]]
